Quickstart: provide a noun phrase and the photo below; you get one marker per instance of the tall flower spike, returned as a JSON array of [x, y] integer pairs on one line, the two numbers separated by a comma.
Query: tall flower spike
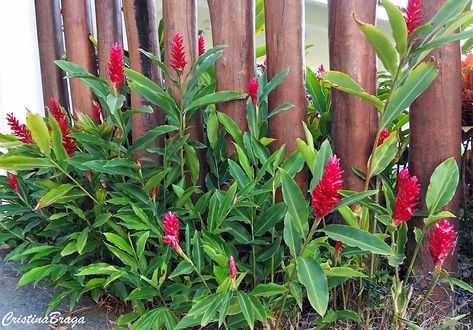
[[97, 112], [232, 268], [326, 194], [153, 193], [253, 90], [383, 136], [338, 248], [116, 65], [13, 183], [68, 142], [407, 199], [442, 242], [171, 229], [201, 45], [413, 15], [20, 131], [178, 54]]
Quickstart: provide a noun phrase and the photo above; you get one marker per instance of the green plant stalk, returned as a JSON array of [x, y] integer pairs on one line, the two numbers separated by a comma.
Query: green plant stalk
[[433, 283], [396, 270], [414, 255], [182, 123], [186, 258]]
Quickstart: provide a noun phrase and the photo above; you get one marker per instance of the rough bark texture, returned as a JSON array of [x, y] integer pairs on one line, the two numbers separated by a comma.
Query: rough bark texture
[[51, 48], [109, 30], [79, 50], [354, 121], [285, 50], [236, 66], [181, 16], [435, 122], [142, 32]]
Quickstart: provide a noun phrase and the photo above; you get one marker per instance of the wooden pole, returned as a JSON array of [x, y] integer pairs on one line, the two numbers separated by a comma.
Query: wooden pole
[[236, 66], [181, 16], [354, 121], [285, 50], [51, 48], [435, 130], [109, 30], [79, 50], [142, 32]]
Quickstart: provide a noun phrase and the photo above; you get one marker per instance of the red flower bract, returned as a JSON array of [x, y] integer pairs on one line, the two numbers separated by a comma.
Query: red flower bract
[[253, 90], [97, 112], [383, 136], [153, 193], [338, 248], [442, 242], [407, 199], [171, 229], [201, 45], [116, 65], [413, 15], [68, 142], [325, 194], [232, 268], [178, 54], [13, 183], [20, 131]]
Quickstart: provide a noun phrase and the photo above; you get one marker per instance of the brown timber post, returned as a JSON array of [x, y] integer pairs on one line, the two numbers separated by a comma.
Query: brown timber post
[[51, 48], [142, 32], [109, 30], [435, 131], [79, 50], [354, 121], [236, 66], [181, 16], [285, 50]]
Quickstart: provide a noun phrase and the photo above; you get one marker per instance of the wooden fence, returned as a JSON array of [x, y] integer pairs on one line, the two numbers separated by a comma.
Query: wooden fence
[[435, 116]]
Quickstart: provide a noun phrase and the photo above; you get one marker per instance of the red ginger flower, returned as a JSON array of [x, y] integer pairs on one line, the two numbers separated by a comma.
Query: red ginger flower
[[253, 90], [338, 248], [407, 199], [153, 193], [413, 15], [383, 136], [178, 54], [467, 66], [116, 65], [232, 268], [68, 142], [171, 229], [97, 111], [320, 70], [442, 242], [201, 45], [325, 194], [20, 131], [13, 183]]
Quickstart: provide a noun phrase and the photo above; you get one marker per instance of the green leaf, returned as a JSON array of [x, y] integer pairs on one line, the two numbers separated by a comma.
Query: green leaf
[[192, 162], [348, 216], [21, 163], [231, 127], [312, 277], [278, 109], [35, 275], [39, 132], [384, 154], [183, 268], [357, 238], [246, 308], [140, 244], [383, 47], [142, 293], [296, 204], [56, 139], [443, 185], [398, 26], [354, 197], [198, 252], [459, 283], [450, 321], [345, 83], [54, 194], [291, 237], [269, 218], [321, 160], [434, 217], [343, 272], [82, 240], [119, 242], [212, 129], [277, 79], [401, 98], [268, 290], [214, 98], [144, 140]]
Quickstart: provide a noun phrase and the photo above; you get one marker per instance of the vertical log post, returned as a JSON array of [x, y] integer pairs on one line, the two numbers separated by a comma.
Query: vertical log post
[[435, 130], [142, 32], [236, 66], [354, 121], [79, 50], [51, 48], [109, 30], [181, 16], [285, 50]]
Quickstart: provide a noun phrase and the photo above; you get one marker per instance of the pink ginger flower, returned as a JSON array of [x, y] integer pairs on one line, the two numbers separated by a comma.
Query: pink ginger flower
[[442, 242], [407, 199], [116, 65], [338, 248], [201, 45], [13, 183], [178, 54], [171, 229], [68, 142], [232, 268], [153, 193], [253, 90], [413, 15], [383, 136], [20, 131], [97, 111]]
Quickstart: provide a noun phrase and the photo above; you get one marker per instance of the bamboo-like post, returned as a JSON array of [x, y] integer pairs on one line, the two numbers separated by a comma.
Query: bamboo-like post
[[142, 32], [236, 66], [51, 48], [285, 50], [435, 130], [354, 121], [181, 16], [109, 30], [79, 50]]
